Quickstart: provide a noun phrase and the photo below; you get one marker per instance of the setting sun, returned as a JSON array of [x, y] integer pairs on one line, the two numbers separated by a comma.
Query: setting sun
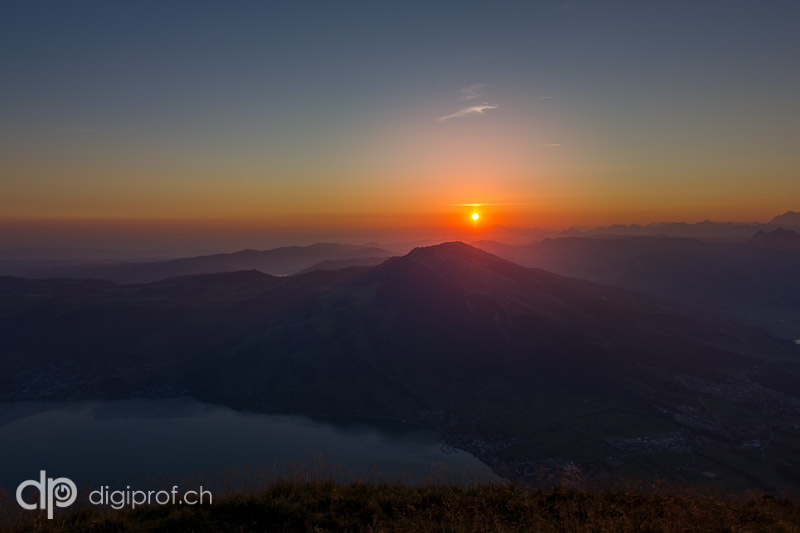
[[475, 216]]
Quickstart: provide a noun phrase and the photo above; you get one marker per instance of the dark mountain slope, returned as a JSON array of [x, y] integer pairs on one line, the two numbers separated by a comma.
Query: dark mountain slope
[[722, 282], [454, 314], [335, 264], [78, 338]]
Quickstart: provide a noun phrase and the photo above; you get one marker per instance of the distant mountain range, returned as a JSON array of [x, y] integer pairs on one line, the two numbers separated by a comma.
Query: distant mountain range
[[529, 370], [278, 261], [85, 263], [752, 281], [781, 239], [706, 230]]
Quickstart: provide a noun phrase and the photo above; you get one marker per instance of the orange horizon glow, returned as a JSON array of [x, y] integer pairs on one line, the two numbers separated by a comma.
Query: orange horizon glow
[[181, 236], [443, 216]]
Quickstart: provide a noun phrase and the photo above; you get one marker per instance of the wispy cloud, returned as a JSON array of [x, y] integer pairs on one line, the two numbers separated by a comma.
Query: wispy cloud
[[471, 92], [467, 111], [467, 94], [545, 97]]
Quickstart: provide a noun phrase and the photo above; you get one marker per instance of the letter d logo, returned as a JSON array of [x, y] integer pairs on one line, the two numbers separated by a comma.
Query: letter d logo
[[60, 491]]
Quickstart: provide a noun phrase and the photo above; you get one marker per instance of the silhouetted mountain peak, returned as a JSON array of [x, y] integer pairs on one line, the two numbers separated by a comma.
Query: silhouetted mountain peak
[[461, 267], [451, 258], [784, 239], [452, 250], [789, 218]]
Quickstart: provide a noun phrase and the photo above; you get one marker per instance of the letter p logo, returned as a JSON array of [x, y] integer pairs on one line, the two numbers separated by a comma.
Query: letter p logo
[[60, 492]]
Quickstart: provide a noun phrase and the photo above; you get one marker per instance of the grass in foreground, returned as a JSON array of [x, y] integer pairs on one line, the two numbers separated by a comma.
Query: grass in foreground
[[328, 506]]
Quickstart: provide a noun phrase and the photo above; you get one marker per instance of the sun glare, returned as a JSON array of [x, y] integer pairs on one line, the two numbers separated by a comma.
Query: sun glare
[[475, 216]]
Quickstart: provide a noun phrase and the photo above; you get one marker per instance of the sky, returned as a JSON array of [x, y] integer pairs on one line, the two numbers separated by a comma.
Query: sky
[[389, 119]]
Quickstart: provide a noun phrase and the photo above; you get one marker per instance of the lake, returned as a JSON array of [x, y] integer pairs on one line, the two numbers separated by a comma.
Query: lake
[[137, 441]]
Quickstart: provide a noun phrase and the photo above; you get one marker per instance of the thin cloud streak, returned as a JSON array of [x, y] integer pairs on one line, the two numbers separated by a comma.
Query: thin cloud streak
[[471, 92], [467, 111]]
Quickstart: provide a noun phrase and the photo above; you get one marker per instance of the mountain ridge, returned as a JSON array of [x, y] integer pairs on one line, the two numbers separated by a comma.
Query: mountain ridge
[[782, 239], [277, 261]]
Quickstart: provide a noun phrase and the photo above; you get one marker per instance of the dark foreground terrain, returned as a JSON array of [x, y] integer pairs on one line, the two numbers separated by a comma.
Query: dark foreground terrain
[[325, 506]]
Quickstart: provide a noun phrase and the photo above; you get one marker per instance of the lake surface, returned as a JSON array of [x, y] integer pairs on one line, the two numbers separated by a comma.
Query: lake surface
[[138, 441]]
